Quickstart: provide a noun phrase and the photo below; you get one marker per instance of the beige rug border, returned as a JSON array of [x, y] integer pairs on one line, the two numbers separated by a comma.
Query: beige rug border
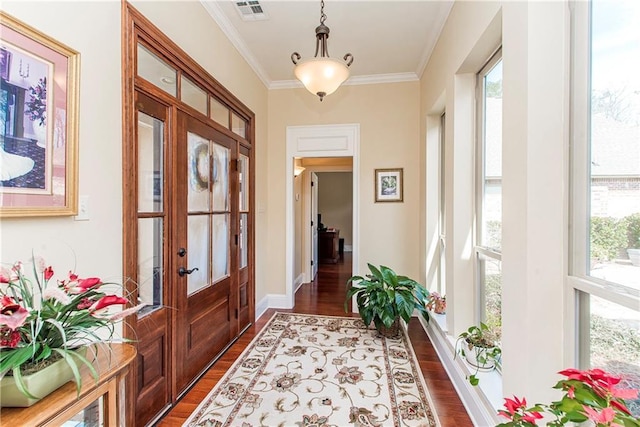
[[255, 338]]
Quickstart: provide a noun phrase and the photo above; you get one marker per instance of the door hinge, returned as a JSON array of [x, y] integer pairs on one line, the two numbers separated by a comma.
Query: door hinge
[[311, 262], [312, 184], [236, 313], [236, 238], [312, 223]]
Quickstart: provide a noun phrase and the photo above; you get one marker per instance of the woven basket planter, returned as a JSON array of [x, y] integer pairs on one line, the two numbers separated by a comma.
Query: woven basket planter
[[390, 332]]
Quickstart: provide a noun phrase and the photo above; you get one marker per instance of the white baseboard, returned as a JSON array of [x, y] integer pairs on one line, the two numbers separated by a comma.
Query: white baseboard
[[278, 301], [298, 282], [348, 248], [480, 410], [262, 306], [271, 301]]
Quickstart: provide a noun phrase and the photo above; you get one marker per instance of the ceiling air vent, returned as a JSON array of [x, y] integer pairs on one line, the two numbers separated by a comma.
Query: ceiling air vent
[[251, 10]]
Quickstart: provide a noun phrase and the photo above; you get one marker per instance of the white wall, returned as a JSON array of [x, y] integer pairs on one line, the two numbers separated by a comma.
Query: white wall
[[535, 139], [389, 130], [93, 247]]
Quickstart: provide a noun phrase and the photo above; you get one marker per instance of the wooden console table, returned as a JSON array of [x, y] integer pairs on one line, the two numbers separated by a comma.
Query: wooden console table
[[112, 364], [328, 246]]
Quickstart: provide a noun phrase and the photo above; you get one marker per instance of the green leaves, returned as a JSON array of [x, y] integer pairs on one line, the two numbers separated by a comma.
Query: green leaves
[[383, 296], [480, 343]]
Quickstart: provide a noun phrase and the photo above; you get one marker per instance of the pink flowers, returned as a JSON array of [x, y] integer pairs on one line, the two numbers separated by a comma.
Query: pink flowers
[[12, 315], [517, 411], [76, 285], [590, 395], [70, 299], [41, 317]]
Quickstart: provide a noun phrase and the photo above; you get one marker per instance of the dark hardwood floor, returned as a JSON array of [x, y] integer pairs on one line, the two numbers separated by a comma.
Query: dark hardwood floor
[[326, 296]]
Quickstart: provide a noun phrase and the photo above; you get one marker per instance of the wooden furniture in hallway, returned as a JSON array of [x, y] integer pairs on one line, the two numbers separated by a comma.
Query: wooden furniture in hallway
[[326, 295], [112, 364], [328, 246]]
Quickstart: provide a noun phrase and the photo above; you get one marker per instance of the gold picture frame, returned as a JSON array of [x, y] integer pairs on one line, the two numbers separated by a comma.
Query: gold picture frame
[[38, 123], [389, 185]]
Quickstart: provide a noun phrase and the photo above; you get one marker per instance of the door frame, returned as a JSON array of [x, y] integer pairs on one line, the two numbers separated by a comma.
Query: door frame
[[338, 140]]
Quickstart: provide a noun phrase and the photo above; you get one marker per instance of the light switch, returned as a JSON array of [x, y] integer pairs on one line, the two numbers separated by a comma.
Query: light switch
[[83, 209]]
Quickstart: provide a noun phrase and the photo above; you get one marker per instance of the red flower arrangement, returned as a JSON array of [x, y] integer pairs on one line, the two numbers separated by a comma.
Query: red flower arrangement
[[44, 320], [591, 395]]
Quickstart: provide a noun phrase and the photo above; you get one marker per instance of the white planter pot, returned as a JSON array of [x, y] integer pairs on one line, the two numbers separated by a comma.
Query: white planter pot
[[634, 256], [472, 354]]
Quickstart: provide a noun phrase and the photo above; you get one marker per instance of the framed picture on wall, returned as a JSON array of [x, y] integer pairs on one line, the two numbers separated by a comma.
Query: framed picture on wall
[[388, 185], [38, 122]]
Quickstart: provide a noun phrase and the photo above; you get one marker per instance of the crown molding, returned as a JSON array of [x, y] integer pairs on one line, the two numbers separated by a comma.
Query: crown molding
[[434, 36], [354, 81], [234, 37]]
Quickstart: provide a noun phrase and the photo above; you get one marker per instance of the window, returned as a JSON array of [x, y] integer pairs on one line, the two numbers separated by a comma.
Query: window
[[605, 186], [441, 285], [489, 193]]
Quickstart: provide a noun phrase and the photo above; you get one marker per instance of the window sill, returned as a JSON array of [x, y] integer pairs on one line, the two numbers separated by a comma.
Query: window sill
[[482, 401]]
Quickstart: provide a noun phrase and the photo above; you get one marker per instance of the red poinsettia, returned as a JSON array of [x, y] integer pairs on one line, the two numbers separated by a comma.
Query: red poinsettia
[[589, 395]]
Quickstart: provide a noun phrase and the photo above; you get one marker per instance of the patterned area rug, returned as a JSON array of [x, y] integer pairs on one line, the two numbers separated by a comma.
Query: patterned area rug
[[307, 370]]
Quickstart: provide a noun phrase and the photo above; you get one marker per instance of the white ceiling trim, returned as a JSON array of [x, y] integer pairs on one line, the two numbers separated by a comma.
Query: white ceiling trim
[[353, 81], [232, 34], [434, 36]]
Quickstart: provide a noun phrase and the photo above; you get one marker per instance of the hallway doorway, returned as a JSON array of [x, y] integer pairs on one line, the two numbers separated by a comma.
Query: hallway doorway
[[312, 142]]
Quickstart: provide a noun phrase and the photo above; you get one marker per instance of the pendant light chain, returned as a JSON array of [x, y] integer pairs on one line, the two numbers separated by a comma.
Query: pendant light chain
[[323, 17]]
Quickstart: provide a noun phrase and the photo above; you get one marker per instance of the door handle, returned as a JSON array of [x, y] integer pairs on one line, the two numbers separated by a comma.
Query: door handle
[[182, 271]]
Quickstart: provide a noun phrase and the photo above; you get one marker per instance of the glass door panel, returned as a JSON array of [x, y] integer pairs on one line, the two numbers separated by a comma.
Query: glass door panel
[[150, 172], [243, 182], [221, 241], [198, 250], [150, 261], [150, 163], [244, 240], [221, 161], [198, 198], [243, 207]]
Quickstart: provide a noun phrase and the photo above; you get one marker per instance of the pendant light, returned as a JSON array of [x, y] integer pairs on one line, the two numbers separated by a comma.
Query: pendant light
[[321, 75]]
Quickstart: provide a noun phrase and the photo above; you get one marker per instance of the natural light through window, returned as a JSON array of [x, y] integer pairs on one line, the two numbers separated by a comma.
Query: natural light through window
[[489, 206], [607, 171]]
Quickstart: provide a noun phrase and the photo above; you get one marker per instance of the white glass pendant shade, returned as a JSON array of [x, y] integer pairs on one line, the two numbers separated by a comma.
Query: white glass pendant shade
[[321, 76]]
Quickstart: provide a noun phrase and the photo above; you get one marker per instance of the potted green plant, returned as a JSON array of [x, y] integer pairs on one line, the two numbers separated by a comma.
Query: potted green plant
[[478, 345], [383, 297]]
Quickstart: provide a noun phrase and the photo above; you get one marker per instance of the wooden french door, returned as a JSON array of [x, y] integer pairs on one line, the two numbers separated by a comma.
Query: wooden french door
[[188, 219], [204, 240]]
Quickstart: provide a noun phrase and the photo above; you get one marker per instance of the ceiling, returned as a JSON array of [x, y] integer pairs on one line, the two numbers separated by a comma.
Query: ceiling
[[390, 40]]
